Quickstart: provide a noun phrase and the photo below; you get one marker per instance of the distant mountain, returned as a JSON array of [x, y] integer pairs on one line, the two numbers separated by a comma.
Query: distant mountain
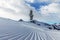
[[42, 24], [46, 25]]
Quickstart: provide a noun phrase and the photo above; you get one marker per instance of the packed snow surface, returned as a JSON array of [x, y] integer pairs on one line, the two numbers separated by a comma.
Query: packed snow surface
[[14, 30]]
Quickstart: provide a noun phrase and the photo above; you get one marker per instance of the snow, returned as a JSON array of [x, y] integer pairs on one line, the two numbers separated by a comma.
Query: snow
[[15, 30]]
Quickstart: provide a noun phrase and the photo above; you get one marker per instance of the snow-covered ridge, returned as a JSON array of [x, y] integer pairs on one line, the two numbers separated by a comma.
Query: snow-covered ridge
[[46, 25], [14, 30]]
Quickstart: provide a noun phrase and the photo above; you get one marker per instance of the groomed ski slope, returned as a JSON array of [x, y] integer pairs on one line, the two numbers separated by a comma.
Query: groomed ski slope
[[14, 30]]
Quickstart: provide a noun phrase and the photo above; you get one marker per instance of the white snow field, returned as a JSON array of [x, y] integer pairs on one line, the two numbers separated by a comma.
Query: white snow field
[[14, 30]]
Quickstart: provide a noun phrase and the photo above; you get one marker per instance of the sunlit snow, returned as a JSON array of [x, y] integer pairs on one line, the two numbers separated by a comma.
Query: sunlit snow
[[15, 30]]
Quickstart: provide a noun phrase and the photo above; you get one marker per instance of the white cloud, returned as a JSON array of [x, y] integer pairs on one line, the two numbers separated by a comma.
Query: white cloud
[[30, 1], [51, 12], [51, 8], [47, 1], [14, 9]]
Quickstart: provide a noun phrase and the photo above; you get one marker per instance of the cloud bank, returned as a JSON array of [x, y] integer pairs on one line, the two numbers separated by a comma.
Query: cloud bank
[[14, 9], [18, 9], [51, 12]]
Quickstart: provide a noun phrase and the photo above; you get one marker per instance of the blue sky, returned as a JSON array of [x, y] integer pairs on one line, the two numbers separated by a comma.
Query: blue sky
[[37, 5], [43, 10]]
